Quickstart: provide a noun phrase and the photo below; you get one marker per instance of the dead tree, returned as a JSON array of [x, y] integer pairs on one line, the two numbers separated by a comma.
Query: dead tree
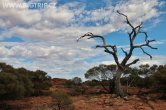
[[112, 49]]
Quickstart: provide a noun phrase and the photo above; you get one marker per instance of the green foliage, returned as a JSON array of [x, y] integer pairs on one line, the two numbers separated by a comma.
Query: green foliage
[[19, 83], [101, 72], [144, 76], [139, 77], [92, 83], [61, 101], [159, 79], [41, 82], [10, 86], [104, 75], [76, 80], [69, 84], [78, 90], [76, 85]]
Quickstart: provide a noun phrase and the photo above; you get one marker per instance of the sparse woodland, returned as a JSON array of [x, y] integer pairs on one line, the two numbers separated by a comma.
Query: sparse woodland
[[145, 82], [107, 87]]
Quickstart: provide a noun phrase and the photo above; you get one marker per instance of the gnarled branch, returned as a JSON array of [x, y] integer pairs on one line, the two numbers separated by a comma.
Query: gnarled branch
[[127, 19], [133, 62], [124, 51], [146, 53], [112, 49], [132, 36]]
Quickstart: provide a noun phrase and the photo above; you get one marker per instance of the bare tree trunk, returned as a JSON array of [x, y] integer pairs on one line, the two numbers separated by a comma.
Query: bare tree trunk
[[118, 90], [111, 86]]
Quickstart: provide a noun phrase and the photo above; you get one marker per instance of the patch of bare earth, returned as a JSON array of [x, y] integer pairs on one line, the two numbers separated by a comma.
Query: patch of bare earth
[[106, 102], [27, 103]]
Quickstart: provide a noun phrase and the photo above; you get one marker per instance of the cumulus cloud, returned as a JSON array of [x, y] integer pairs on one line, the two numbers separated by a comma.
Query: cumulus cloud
[[71, 20], [50, 34], [12, 17]]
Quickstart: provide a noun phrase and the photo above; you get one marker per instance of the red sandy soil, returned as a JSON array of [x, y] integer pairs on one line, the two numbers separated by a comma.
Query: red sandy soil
[[106, 102], [93, 102], [98, 102]]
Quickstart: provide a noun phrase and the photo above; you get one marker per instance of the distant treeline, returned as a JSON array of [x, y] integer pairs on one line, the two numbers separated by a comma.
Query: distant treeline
[[20, 83], [145, 76]]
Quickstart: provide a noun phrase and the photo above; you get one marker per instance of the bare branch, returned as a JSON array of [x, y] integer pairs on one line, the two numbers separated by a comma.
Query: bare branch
[[108, 51], [146, 44], [87, 34], [146, 53], [152, 47], [112, 49], [133, 62], [146, 35], [124, 51], [127, 20], [139, 26], [105, 46], [134, 31], [132, 35], [90, 35]]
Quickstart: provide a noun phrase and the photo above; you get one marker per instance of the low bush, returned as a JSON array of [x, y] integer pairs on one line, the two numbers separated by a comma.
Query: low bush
[[159, 80], [61, 101], [20, 83]]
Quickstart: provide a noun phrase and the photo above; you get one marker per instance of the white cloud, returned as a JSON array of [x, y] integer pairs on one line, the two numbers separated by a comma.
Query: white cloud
[[50, 23], [55, 59], [157, 59], [12, 17]]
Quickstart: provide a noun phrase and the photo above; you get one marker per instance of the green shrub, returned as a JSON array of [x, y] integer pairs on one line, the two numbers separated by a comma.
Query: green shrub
[[92, 83], [69, 84], [40, 81], [10, 87], [159, 80], [61, 101], [20, 83]]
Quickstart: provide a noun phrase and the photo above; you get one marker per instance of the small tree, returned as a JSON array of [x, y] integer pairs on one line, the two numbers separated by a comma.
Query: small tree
[[10, 87], [61, 101], [78, 86], [102, 73], [41, 82], [77, 80], [159, 79], [112, 49]]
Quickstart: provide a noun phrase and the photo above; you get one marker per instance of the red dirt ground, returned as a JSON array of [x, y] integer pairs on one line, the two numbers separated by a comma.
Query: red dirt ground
[[92, 102]]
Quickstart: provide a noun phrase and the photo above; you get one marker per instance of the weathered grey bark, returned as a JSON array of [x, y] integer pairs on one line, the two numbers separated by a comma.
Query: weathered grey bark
[[118, 90], [112, 49]]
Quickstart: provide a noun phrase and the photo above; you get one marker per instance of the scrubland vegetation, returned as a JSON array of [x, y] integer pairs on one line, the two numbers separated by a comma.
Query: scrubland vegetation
[[60, 94], [21, 83]]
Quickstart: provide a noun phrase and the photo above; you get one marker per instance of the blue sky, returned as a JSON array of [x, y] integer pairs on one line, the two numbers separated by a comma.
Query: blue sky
[[45, 38]]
